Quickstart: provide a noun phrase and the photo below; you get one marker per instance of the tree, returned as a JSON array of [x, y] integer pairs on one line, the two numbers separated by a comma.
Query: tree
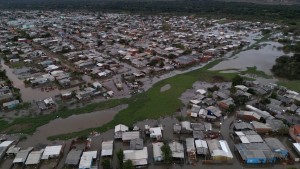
[[105, 164], [273, 95], [128, 165], [167, 153], [231, 108], [237, 80], [120, 156]]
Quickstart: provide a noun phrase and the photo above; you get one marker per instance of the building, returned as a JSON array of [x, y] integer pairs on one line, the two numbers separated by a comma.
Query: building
[[130, 135], [52, 152], [219, 150], [4, 146], [155, 133], [190, 149], [277, 147], [119, 130], [73, 157], [261, 127], [201, 147], [107, 148], [255, 153], [34, 158], [157, 153], [87, 159], [294, 132], [177, 150], [138, 157], [10, 104], [22, 156], [137, 144], [249, 137]]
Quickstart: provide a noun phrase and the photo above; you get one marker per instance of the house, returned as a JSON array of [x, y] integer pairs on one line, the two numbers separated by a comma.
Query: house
[[190, 149], [201, 147], [4, 146], [219, 150], [34, 158], [157, 153], [186, 127], [277, 147], [10, 104], [240, 126], [52, 152], [138, 157], [137, 144], [107, 148], [177, 150], [130, 135], [73, 157], [294, 132], [249, 136], [248, 115], [87, 160], [156, 133], [261, 127], [255, 153], [22, 156], [119, 130], [297, 147], [176, 128]]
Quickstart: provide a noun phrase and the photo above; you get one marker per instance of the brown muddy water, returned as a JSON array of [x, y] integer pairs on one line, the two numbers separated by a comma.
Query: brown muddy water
[[71, 124], [27, 93], [263, 58]]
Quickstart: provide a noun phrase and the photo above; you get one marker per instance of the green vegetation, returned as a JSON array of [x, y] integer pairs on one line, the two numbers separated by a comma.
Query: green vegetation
[[120, 155], [287, 67], [254, 71], [106, 164], [167, 153], [147, 106], [290, 84], [291, 48], [128, 165]]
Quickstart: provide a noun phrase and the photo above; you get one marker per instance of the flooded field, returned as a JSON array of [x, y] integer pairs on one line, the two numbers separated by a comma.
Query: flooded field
[[27, 93], [72, 124], [263, 58]]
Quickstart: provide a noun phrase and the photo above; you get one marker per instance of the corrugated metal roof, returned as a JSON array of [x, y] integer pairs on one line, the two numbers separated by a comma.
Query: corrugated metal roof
[[73, 157], [34, 157], [107, 148]]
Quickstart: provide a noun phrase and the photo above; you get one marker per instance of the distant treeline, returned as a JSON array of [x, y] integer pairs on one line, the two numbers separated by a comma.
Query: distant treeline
[[201, 7]]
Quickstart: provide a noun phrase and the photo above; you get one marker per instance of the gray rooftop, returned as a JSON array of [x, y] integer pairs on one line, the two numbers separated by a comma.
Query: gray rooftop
[[73, 157]]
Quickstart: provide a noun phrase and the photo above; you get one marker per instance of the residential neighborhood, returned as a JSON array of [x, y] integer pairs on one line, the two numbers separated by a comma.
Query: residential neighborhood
[[53, 62]]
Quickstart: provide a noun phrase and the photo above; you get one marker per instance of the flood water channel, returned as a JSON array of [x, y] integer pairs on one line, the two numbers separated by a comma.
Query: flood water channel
[[72, 124]]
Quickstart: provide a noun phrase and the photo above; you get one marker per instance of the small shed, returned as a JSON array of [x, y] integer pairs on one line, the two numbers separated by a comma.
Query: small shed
[[22, 156]]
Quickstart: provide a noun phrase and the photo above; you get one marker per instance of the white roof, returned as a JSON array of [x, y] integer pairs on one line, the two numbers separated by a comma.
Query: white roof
[[157, 149], [226, 148], [297, 147], [201, 143], [121, 127], [107, 148], [201, 91], [138, 157], [194, 115], [51, 151], [22, 155], [87, 159], [6, 143], [34, 157], [156, 131], [195, 101]]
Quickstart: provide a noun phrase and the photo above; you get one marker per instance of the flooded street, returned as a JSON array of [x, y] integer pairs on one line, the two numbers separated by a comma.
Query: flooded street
[[263, 58], [71, 124], [27, 93]]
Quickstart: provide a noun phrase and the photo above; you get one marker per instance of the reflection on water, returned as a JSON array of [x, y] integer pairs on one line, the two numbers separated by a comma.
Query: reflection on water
[[27, 93], [263, 58]]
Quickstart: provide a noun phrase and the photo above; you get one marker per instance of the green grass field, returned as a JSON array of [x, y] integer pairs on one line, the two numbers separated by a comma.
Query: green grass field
[[290, 84]]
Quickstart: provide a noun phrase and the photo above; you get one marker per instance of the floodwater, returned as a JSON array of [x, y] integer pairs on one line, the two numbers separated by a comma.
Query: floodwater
[[165, 88], [71, 124], [263, 58], [27, 93]]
